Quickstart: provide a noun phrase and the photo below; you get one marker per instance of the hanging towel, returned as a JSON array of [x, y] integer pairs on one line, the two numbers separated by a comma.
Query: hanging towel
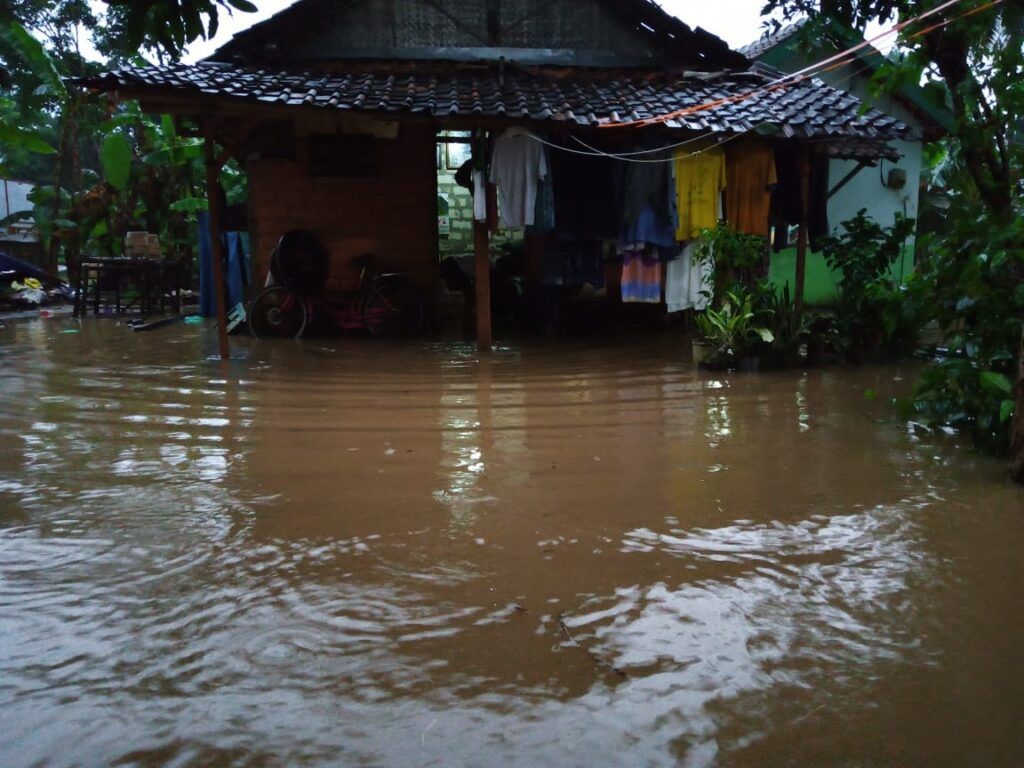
[[677, 283], [688, 285], [641, 277]]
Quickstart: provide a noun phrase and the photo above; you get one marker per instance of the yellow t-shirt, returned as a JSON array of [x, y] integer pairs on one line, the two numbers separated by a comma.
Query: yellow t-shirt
[[700, 179]]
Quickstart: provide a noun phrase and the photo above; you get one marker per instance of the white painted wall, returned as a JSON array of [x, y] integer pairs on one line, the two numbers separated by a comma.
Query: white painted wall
[[867, 189]]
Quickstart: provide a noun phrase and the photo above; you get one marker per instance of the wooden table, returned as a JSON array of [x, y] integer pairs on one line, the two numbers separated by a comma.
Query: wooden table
[[102, 280]]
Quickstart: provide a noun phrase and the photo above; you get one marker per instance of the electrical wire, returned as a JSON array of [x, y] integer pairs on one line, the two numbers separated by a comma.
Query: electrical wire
[[798, 76], [708, 135], [624, 158], [624, 155]]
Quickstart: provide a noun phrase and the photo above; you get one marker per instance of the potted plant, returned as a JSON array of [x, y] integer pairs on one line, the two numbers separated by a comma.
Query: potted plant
[[701, 348], [732, 332], [735, 257], [790, 327]]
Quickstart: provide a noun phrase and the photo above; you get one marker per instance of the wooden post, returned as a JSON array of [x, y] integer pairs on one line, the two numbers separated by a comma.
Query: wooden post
[[801, 242], [213, 167], [482, 252]]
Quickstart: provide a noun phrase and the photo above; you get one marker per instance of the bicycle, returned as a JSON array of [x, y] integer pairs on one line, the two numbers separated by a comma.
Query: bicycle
[[382, 303]]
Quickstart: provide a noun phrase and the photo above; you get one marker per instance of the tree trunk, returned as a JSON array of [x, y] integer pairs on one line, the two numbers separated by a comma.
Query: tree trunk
[[71, 254], [1017, 428]]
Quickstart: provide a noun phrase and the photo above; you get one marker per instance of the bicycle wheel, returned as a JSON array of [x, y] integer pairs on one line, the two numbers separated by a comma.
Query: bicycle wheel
[[392, 308], [277, 313]]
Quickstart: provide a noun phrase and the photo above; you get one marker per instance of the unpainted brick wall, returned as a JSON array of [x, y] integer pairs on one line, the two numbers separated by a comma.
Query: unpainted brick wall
[[393, 216]]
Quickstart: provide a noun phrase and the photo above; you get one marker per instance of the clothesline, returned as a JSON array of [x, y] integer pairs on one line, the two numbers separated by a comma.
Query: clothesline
[[629, 156], [626, 158], [622, 155]]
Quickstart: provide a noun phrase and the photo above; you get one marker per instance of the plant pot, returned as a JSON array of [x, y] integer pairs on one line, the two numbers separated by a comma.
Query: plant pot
[[701, 350]]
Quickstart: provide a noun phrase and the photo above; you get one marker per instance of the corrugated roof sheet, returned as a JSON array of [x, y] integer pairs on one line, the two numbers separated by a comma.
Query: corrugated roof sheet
[[595, 97]]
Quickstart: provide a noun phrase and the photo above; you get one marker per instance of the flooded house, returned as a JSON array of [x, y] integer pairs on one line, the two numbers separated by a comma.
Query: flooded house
[[894, 187], [595, 140]]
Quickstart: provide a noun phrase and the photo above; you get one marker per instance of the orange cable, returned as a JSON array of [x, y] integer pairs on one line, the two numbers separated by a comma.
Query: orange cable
[[814, 69]]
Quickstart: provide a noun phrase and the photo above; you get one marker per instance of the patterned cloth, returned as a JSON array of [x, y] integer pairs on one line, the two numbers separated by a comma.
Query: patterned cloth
[[641, 277]]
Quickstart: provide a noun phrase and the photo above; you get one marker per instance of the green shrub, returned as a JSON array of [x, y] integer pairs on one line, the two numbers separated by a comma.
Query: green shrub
[[873, 317]]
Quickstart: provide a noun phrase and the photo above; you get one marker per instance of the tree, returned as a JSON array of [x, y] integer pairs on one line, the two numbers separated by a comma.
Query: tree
[[125, 27], [92, 179], [975, 48]]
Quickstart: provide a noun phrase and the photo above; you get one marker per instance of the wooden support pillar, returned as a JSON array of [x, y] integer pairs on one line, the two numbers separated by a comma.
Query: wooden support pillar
[[213, 166], [801, 242], [482, 252], [801, 267]]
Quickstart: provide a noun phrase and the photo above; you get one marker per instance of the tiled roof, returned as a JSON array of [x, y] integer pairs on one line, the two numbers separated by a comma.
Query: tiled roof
[[770, 40], [585, 97], [697, 47]]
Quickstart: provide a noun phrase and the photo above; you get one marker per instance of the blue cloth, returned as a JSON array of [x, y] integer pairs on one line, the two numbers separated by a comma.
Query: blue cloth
[[649, 228], [236, 272]]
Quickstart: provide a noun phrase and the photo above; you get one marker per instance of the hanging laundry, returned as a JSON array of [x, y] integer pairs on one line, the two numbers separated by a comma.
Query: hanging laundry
[[750, 176], [518, 163], [688, 285], [787, 202], [700, 178], [584, 198], [544, 210], [786, 197], [641, 276], [817, 214], [650, 228], [646, 187]]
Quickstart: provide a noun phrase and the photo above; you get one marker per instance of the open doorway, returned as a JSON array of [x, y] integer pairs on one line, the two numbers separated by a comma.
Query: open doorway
[[455, 212]]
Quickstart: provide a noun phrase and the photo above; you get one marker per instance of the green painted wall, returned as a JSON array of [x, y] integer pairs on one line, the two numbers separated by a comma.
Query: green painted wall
[[821, 285]]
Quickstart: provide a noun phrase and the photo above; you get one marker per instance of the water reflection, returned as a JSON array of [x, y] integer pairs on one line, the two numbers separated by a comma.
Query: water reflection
[[356, 553]]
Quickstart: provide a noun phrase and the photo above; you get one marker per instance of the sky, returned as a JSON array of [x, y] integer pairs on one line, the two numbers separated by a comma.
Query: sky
[[738, 22]]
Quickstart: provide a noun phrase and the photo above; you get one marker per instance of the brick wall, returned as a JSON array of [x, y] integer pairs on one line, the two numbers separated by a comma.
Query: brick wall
[[393, 215], [460, 214]]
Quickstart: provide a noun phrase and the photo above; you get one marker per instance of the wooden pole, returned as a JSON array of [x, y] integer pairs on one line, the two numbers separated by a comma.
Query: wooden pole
[[801, 242], [213, 197], [482, 252]]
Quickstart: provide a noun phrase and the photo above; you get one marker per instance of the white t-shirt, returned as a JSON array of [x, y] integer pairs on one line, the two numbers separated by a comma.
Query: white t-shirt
[[517, 164]]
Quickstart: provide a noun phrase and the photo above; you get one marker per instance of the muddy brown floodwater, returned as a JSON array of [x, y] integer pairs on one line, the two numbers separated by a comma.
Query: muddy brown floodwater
[[577, 553]]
